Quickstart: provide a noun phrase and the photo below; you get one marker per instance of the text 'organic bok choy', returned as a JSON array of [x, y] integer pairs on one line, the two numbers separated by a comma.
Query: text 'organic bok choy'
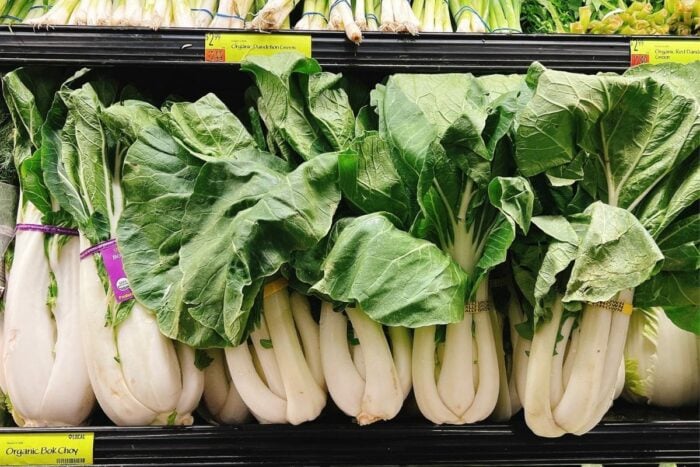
[[45, 373], [617, 158], [449, 136], [139, 376]]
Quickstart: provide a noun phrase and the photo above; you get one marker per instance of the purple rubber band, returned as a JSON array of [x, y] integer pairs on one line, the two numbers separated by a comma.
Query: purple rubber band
[[97, 248], [47, 229]]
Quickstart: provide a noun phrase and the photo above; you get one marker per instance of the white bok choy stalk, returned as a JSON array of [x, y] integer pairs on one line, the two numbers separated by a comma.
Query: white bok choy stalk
[[140, 377], [221, 400], [511, 347], [278, 372], [8, 213], [645, 185], [41, 323], [662, 361], [471, 209], [368, 375]]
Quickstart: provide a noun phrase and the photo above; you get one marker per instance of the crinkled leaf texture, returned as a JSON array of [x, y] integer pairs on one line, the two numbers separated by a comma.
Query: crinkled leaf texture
[[209, 217], [637, 128], [302, 107], [242, 223], [397, 279]]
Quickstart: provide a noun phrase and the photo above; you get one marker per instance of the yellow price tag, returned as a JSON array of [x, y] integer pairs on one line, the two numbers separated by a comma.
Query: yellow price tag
[[234, 47], [663, 51], [46, 448]]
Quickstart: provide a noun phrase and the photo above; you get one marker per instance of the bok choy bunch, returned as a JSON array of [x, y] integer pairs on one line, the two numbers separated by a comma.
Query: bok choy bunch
[[252, 202], [139, 376], [662, 365], [41, 322], [450, 134], [364, 264], [617, 160], [8, 212]]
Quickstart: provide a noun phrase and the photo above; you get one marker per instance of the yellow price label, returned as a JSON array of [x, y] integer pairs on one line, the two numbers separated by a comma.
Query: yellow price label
[[234, 47], [46, 448], [663, 51]]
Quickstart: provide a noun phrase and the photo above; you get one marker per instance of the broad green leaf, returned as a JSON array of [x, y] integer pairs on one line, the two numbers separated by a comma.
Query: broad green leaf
[[557, 227], [679, 244], [280, 81], [418, 109], [495, 86], [60, 163], [396, 279], [159, 177], [207, 128], [441, 190], [366, 121], [28, 94], [558, 257], [679, 190], [669, 289], [90, 158], [369, 179], [513, 196], [683, 78], [687, 318], [306, 267], [126, 119], [615, 253], [242, 223], [329, 105], [493, 250], [637, 128]]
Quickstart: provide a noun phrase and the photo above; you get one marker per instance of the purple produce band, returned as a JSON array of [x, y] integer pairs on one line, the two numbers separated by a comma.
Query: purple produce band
[[47, 229], [97, 248]]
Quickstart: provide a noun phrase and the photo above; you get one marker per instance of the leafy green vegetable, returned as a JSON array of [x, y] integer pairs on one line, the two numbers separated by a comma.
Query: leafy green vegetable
[[396, 279]]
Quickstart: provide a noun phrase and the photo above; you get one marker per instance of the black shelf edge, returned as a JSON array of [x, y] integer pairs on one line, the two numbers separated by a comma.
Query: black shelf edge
[[381, 52], [393, 443]]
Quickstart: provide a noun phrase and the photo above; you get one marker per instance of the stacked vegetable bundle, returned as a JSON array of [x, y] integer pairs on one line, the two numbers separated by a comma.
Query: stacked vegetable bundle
[[352, 17], [477, 240]]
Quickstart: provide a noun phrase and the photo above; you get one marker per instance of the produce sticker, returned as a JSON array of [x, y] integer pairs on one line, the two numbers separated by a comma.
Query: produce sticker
[[663, 51], [46, 448], [234, 47]]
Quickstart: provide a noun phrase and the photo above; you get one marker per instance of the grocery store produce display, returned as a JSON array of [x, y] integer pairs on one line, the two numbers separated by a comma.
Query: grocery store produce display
[[476, 243], [649, 17]]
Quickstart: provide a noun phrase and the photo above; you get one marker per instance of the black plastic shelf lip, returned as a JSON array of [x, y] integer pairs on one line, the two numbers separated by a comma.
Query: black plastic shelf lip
[[91, 46], [612, 442]]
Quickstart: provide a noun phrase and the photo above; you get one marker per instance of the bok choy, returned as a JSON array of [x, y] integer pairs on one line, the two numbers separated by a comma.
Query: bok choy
[[140, 376], [41, 322], [618, 157]]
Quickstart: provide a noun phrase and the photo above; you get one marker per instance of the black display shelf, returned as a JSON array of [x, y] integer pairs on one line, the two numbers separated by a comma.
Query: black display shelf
[[381, 52], [628, 435]]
